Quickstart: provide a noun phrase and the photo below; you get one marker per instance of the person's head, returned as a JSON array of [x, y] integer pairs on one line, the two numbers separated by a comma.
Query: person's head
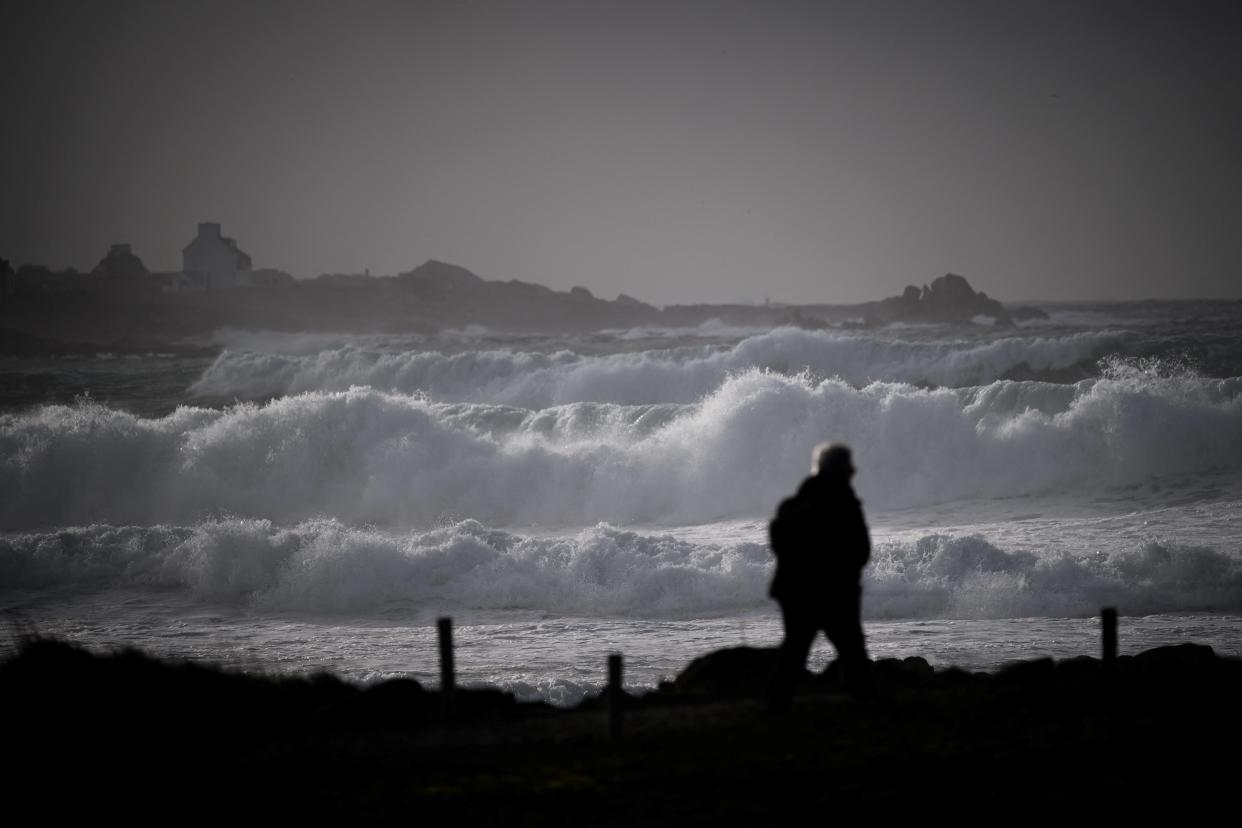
[[832, 460]]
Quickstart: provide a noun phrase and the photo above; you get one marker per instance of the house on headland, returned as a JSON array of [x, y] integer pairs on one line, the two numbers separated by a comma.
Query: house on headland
[[216, 259]]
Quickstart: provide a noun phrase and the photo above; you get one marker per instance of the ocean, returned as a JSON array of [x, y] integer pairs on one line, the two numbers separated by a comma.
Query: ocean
[[290, 503]]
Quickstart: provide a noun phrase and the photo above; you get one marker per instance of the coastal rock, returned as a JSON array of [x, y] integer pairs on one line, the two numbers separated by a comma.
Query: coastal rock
[[736, 671], [626, 299], [947, 300], [1078, 667], [461, 297], [912, 670], [1176, 657], [435, 278]]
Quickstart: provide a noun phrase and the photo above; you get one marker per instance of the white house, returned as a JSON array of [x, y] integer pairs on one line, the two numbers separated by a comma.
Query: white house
[[216, 259]]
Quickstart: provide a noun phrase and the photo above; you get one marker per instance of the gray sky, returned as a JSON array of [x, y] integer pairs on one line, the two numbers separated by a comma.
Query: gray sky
[[710, 151]]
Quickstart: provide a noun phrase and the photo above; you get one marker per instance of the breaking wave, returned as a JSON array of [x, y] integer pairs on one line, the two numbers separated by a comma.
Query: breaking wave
[[968, 577], [325, 567], [366, 456], [679, 375]]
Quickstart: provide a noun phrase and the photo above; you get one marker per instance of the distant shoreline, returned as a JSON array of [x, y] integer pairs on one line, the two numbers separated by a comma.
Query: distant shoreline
[[86, 314]]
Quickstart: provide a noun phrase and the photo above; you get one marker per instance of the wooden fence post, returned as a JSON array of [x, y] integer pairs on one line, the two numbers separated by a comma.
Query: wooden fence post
[[448, 681], [616, 698], [1108, 621]]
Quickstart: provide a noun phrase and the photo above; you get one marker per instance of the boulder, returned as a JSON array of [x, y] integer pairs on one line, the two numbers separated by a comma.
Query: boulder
[[911, 670], [736, 671], [1176, 657]]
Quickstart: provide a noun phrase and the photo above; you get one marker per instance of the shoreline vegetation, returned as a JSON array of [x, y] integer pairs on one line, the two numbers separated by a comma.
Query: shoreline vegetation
[[47, 314], [124, 734]]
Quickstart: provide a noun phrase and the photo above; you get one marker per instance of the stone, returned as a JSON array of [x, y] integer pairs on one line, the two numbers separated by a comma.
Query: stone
[[736, 671]]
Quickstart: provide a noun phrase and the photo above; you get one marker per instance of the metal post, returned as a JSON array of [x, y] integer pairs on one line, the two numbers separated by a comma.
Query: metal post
[[1108, 620], [616, 698], [448, 681]]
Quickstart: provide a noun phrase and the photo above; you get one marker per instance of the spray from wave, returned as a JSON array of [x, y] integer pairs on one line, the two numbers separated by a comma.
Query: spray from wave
[[687, 374], [364, 456]]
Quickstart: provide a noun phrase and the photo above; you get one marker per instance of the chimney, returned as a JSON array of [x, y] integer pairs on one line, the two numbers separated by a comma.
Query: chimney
[[209, 228], [119, 250]]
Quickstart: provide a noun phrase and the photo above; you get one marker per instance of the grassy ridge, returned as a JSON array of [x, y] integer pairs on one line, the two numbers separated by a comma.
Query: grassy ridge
[[128, 736]]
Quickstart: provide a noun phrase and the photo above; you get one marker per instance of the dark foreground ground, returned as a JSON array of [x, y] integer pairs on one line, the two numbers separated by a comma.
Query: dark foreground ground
[[123, 736]]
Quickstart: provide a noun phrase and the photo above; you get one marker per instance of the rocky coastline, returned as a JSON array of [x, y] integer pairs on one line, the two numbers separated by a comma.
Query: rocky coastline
[[87, 314]]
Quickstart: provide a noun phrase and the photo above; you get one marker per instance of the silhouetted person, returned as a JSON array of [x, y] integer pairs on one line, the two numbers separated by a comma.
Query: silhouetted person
[[821, 545]]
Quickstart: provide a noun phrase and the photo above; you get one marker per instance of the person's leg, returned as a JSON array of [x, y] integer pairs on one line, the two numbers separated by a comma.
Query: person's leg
[[844, 628], [800, 630]]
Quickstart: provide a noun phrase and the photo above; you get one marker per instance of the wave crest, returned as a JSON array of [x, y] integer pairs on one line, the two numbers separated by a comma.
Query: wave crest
[[363, 456], [678, 375], [325, 567]]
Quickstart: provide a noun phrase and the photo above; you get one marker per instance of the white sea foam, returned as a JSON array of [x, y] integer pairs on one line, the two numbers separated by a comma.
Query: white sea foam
[[686, 374], [968, 577], [364, 456], [326, 567]]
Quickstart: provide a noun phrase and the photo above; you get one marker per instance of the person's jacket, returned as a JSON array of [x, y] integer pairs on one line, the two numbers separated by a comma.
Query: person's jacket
[[820, 541]]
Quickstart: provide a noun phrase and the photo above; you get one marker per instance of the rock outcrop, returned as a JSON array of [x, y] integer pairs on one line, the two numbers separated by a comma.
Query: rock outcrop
[[731, 672], [454, 295], [948, 300]]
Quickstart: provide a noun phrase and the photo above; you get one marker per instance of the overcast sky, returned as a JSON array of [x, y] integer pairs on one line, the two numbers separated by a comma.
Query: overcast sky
[[710, 151]]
